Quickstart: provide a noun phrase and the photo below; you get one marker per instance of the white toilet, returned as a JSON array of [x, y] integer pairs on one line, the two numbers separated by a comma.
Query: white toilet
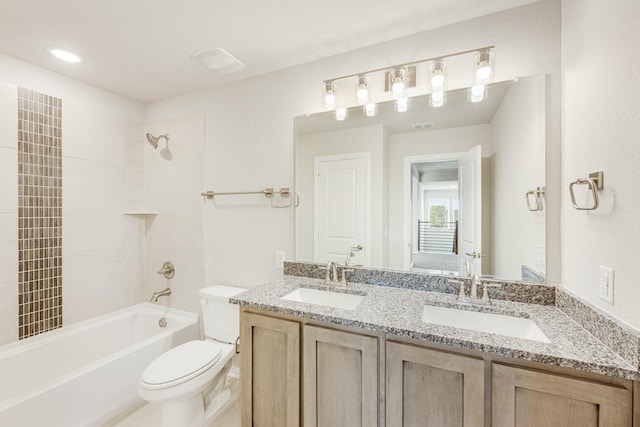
[[189, 380]]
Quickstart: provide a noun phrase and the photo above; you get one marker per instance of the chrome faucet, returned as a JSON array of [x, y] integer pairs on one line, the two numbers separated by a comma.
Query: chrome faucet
[[162, 293], [473, 295], [351, 253], [331, 276]]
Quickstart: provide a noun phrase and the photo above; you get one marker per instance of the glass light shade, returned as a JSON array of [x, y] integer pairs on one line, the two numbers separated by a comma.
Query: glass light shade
[[483, 68], [438, 77], [438, 99], [363, 95], [477, 93], [330, 101], [402, 103], [341, 114], [370, 109]]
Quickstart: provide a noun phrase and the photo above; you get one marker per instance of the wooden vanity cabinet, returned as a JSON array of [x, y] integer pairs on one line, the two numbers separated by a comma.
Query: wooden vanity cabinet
[[270, 367], [340, 380], [529, 398], [431, 388]]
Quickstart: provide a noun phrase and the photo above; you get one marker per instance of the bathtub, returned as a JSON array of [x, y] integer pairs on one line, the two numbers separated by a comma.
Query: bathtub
[[86, 374]]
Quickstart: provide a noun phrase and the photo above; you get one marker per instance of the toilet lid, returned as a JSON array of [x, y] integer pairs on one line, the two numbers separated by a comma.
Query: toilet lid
[[182, 363]]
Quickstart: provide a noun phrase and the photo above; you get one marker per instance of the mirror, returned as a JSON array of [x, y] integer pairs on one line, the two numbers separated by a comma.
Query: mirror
[[422, 189]]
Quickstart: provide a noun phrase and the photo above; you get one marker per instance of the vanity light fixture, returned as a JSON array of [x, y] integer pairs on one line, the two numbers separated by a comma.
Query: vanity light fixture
[[64, 55], [329, 96], [400, 82], [362, 93]]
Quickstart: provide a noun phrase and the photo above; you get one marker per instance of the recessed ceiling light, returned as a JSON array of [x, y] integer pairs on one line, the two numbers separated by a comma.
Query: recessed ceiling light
[[218, 60], [64, 55]]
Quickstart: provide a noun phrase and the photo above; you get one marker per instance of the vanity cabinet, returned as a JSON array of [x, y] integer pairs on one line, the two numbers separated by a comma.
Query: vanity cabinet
[[270, 366], [433, 388], [340, 380], [529, 398]]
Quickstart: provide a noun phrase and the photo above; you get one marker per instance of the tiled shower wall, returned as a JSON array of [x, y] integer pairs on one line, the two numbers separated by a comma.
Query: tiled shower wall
[[39, 213]]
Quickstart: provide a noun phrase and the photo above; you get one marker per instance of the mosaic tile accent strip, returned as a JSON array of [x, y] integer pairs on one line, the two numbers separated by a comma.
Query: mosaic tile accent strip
[[530, 293], [39, 213]]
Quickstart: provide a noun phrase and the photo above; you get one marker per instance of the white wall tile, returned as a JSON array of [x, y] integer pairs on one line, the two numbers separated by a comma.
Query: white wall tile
[[92, 135], [8, 246], [134, 140], [177, 238], [8, 115], [92, 291], [9, 310], [186, 141], [134, 188], [188, 280], [92, 187], [93, 239], [175, 189], [9, 179]]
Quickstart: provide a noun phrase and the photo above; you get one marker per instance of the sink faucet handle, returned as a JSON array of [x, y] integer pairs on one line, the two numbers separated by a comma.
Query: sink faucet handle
[[460, 284], [485, 291], [344, 275]]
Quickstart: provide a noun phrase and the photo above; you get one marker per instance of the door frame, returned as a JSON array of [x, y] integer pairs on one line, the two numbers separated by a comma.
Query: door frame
[[367, 198], [406, 197]]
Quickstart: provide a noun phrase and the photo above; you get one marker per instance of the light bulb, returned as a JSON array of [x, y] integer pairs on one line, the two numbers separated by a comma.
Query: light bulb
[[341, 114], [477, 93], [437, 80], [64, 55], [402, 104], [370, 109], [362, 94], [483, 73], [330, 101], [437, 99], [397, 88]]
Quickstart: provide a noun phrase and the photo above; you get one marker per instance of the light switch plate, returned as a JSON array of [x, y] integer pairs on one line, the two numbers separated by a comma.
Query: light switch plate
[[606, 283], [280, 255]]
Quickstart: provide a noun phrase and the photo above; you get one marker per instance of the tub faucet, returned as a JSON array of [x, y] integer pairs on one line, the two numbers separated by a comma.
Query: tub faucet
[[162, 293]]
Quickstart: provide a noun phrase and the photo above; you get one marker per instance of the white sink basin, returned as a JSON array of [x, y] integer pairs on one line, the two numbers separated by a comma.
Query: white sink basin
[[517, 327], [325, 298]]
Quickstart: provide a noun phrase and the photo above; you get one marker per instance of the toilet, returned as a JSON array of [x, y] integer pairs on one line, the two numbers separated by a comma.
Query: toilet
[[189, 380]]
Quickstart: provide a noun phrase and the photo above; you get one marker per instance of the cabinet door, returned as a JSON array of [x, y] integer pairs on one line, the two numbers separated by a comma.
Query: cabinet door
[[527, 398], [340, 382], [430, 388], [270, 367]]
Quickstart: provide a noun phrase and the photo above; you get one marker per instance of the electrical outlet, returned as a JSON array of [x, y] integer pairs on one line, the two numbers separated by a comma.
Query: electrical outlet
[[280, 259], [606, 283]]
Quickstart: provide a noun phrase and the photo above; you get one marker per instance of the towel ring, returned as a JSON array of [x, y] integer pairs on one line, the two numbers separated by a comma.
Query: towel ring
[[595, 183], [537, 199]]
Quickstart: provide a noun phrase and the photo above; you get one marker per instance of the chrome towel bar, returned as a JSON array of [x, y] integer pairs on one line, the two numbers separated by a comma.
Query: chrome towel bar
[[268, 192]]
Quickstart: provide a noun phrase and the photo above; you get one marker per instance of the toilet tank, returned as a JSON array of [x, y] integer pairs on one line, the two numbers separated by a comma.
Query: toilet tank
[[220, 318]]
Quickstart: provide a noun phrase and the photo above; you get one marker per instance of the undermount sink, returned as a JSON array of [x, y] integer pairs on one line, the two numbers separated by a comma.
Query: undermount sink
[[340, 300], [517, 327]]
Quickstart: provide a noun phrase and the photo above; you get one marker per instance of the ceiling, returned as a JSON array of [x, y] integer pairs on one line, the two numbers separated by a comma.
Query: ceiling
[[141, 49]]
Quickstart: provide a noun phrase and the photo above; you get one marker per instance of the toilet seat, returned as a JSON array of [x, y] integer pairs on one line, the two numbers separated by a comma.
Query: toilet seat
[[181, 364]]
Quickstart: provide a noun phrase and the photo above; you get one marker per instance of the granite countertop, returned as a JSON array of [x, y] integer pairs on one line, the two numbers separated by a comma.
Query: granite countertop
[[398, 312]]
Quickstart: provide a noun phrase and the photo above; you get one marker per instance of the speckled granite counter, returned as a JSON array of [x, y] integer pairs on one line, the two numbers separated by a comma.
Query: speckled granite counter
[[398, 312]]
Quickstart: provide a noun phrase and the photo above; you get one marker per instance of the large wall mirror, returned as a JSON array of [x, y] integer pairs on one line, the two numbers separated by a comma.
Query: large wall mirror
[[421, 190]]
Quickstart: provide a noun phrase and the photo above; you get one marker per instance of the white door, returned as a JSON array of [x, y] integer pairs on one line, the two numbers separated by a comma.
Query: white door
[[340, 205], [470, 215]]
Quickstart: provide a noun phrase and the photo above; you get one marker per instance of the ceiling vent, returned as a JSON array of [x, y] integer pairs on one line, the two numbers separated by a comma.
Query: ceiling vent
[[218, 60], [426, 125]]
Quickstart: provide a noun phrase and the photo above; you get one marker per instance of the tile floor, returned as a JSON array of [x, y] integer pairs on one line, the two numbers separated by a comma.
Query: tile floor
[[150, 414]]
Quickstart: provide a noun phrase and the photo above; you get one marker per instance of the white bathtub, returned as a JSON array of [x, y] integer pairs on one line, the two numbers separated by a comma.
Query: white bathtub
[[87, 373]]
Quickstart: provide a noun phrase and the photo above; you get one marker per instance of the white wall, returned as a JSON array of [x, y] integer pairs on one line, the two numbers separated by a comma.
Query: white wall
[[102, 249], [517, 151], [601, 132], [249, 127]]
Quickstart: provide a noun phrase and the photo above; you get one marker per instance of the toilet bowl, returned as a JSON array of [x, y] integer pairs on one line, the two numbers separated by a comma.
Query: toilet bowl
[[189, 380]]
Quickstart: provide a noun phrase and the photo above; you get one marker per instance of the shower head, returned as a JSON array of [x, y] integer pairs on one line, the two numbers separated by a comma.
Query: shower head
[[153, 140]]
